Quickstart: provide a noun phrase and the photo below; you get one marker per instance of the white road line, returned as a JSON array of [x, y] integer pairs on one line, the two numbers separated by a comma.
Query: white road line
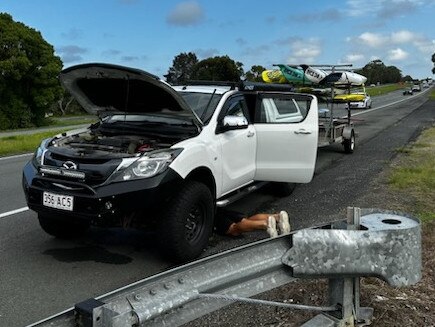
[[13, 212], [16, 156], [388, 104]]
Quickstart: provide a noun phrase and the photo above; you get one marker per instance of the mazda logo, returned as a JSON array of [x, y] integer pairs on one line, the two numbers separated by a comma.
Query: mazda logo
[[69, 165]]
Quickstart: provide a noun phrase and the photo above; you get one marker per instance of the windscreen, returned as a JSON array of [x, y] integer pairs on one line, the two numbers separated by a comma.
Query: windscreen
[[203, 104]]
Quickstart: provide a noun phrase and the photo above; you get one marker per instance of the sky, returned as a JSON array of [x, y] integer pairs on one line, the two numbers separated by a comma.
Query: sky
[[148, 34]]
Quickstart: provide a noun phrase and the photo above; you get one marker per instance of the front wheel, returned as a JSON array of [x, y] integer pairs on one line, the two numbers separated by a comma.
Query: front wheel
[[349, 144], [61, 228], [187, 222]]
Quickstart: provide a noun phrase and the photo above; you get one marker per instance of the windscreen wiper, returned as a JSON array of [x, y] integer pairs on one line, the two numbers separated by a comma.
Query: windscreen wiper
[[208, 105]]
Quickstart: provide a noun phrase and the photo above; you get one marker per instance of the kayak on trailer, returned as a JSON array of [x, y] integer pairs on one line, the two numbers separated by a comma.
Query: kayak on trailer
[[353, 97], [273, 76], [293, 75], [313, 74], [344, 78]]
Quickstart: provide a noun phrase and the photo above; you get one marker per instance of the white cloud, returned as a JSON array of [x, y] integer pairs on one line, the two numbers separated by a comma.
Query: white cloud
[[362, 7], [186, 13], [372, 40], [382, 9], [402, 36], [397, 55], [354, 57], [425, 46], [304, 51]]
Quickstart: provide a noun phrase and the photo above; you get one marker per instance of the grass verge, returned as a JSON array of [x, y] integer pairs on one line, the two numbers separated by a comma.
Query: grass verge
[[73, 121], [23, 143], [380, 90], [414, 175]]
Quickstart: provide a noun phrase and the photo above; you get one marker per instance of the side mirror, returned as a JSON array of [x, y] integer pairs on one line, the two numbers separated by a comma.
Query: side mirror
[[231, 123]]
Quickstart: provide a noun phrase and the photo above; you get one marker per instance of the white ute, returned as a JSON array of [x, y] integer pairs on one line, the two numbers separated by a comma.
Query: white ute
[[168, 156]]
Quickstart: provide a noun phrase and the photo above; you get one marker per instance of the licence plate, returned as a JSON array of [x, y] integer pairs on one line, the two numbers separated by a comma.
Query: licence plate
[[58, 201]]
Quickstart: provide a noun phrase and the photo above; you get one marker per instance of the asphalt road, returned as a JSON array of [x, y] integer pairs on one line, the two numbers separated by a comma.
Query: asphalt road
[[40, 275]]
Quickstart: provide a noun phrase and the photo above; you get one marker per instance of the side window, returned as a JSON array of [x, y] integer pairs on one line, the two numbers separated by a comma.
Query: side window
[[286, 106], [282, 109], [235, 107]]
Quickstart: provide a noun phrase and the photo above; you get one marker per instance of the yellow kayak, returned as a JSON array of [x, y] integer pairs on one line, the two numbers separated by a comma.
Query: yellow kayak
[[353, 97], [273, 76]]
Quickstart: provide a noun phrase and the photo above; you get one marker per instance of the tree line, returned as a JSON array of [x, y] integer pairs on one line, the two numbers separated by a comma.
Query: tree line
[[29, 70]]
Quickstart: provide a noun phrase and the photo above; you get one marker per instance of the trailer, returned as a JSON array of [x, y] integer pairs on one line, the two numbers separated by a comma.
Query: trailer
[[331, 129], [334, 130]]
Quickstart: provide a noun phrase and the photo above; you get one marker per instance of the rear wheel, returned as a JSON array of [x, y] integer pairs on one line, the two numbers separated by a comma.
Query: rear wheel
[[349, 144], [61, 228], [188, 222]]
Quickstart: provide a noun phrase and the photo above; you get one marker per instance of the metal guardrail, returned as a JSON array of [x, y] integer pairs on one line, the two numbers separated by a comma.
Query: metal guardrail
[[387, 246]]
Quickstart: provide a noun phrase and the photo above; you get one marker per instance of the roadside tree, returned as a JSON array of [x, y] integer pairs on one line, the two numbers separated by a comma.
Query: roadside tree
[[433, 60], [182, 68], [376, 71], [254, 74], [218, 69], [28, 75]]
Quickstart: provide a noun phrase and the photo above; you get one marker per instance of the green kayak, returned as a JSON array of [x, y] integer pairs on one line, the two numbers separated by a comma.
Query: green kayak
[[293, 75]]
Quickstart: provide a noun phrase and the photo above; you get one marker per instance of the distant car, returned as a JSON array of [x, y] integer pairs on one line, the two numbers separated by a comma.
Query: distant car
[[416, 88], [408, 91], [366, 103]]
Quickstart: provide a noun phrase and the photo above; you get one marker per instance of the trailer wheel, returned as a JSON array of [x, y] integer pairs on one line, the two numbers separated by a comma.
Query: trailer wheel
[[187, 222], [349, 144]]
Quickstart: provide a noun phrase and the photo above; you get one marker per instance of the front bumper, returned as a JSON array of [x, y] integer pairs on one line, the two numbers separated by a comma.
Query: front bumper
[[357, 105], [101, 205]]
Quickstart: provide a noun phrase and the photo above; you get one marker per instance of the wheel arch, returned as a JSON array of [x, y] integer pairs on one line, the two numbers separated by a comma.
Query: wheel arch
[[205, 176]]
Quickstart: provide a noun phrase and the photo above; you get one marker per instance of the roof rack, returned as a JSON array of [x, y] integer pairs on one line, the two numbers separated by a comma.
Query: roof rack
[[245, 85], [258, 86], [231, 84]]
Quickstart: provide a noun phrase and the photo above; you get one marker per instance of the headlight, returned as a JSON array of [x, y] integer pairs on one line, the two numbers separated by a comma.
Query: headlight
[[38, 155], [148, 165]]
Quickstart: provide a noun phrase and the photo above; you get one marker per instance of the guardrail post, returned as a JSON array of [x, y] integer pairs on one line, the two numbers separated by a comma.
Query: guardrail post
[[379, 244], [345, 292]]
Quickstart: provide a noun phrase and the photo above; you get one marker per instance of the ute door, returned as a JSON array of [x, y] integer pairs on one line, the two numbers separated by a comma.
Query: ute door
[[287, 130], [238, 144]]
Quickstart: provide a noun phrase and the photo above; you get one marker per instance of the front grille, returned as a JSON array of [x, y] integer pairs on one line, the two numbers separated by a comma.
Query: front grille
[[79, 160], [74, 188], [88, 170]]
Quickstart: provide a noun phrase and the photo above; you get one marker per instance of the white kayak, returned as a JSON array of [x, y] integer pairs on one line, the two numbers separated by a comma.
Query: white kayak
[[344, 78], [313, 74]]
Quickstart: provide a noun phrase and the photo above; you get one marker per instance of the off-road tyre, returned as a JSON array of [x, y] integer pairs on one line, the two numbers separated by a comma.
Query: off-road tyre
[[61, 228], [187, 222]]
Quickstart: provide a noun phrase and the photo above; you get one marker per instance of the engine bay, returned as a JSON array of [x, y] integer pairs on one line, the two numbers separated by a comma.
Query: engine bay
[[97, 144]]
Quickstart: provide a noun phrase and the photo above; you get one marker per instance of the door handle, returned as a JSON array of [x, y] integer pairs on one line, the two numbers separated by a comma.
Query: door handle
[[250, 134], [302, 131]]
